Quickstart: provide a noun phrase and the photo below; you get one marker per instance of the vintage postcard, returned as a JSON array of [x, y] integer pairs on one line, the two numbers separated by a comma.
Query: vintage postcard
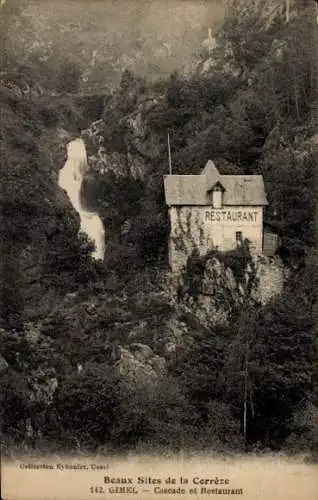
[[159, 262]]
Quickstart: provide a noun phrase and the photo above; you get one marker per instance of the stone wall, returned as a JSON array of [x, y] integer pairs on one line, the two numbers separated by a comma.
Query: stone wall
[[269, 280]]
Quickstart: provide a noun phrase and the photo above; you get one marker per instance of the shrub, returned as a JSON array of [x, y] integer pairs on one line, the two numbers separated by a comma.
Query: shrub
[[86, 404]]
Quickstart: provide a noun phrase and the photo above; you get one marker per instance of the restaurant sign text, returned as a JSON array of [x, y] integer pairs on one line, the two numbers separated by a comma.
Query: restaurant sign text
[[230, 216]]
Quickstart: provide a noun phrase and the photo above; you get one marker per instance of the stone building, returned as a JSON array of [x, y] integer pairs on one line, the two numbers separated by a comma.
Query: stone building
[[213, 211]]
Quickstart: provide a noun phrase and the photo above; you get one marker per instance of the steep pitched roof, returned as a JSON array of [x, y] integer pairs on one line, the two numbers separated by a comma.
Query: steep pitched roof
[[194, 189]]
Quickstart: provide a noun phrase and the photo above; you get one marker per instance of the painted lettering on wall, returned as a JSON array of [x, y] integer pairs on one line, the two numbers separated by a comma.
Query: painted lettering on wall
[[229, 216]]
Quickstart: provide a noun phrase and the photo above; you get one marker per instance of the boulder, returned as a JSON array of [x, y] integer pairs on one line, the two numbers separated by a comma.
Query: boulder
[[137, 365], [141, 351]]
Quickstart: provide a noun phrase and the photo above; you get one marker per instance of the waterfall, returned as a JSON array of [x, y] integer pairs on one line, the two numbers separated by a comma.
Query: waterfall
[[70, 179]]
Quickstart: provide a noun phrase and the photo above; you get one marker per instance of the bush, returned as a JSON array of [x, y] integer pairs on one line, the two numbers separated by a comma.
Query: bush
[[15, 404], [237, 260], [86, 404]]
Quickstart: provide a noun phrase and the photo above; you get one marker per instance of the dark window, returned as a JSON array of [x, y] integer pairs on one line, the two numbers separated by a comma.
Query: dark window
[[238, 237]]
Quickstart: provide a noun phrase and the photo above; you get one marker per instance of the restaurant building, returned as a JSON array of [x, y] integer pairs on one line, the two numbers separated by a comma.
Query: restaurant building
[[213, 211]]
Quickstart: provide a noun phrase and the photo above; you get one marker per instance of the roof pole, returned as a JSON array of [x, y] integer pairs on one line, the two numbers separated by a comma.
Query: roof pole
[[169, 153]]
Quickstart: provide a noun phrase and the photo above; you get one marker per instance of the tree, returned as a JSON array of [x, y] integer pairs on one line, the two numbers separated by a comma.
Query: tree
[[281, 364], [68, 78], [86, 403]]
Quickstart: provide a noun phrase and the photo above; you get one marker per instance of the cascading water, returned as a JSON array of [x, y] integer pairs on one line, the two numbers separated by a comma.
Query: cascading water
[[70, 179]]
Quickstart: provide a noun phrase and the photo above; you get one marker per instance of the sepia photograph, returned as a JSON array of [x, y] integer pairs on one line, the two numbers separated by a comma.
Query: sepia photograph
[[159, 249]]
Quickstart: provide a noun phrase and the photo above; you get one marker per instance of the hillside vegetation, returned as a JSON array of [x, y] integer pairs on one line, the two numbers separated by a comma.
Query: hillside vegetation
[[106, 36], [119, 355]]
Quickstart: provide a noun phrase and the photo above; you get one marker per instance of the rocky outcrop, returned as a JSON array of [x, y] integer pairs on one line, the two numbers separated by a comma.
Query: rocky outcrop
[[139, 366], [266, 12], [215, 292], [43, 384], [139, 144], [218, 52], [270, 277], [213, 295]]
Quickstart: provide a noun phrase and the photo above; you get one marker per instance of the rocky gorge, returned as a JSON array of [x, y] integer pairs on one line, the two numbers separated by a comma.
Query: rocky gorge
[[153, 355]]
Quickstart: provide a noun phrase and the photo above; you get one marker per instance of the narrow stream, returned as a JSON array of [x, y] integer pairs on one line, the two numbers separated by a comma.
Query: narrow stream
[[70, 179]]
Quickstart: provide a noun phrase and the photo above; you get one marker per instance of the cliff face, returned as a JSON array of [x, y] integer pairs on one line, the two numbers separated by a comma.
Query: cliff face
[[122, 142], [30, 238], [267, 12], [260, 18], [218, 287], [37, 219]]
